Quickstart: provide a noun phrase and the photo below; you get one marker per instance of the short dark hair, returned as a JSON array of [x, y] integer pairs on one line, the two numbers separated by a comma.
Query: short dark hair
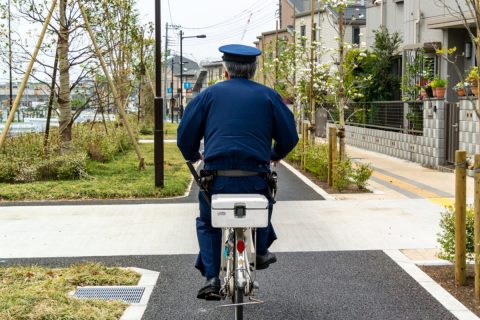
[[241, 70]]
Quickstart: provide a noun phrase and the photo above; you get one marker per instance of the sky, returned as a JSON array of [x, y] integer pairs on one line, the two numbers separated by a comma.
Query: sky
[[222, 21]]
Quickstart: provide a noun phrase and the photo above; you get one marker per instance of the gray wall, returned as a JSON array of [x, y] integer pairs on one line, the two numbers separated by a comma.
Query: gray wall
[[427, 149]]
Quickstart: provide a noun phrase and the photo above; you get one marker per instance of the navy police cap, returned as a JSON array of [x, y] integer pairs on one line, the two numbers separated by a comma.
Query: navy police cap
[[239, 53]]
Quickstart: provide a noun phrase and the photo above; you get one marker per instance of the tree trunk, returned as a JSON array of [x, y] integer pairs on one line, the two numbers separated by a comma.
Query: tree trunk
[[50, 103], [65, 108], [341, 87]]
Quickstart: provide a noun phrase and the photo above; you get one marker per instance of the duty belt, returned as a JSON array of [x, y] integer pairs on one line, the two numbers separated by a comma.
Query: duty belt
[[237, 173]]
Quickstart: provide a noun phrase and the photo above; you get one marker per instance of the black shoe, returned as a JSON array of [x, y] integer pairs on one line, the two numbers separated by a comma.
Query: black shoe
[[263, 262], [211, 290]]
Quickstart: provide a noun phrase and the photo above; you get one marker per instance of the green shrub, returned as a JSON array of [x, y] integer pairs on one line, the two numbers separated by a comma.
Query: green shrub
[[446, 238], [296, 154], [8, 170], [342, 171], [26, 172], [69, 166], [360, 175], [316, 160], [73, 166], [146, 130]]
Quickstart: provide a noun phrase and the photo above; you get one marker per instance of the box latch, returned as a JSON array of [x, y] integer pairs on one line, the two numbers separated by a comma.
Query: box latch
[[240, 210]]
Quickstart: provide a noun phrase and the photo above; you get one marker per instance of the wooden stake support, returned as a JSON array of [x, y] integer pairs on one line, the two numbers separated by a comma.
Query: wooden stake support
[[332, 152], [476, 210], [21, 89], [460, 217], [121, 110], [304, 143]]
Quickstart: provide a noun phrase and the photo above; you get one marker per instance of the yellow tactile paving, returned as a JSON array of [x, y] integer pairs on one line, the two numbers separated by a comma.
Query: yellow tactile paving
[[433, 197]]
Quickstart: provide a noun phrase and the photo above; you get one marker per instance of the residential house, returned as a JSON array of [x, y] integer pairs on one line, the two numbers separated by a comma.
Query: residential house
[[191, 72], [425, 25], [214, 72], [326, 26], [266, 42]]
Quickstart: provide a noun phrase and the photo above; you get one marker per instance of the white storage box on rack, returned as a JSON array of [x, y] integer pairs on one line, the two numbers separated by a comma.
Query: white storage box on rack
[[239, 211]]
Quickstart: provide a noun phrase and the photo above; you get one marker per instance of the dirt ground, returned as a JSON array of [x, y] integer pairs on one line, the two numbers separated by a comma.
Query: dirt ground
[[444, 275]]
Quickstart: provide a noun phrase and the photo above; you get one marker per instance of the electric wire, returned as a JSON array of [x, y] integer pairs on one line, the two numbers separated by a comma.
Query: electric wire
[[236, 19], [230, 33]]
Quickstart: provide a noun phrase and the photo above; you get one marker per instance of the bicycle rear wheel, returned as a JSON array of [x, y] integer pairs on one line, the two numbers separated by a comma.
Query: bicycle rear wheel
[[237, 297]]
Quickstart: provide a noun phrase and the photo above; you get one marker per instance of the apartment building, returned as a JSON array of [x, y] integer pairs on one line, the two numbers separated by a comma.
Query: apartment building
[[326, 27], [425, 25]]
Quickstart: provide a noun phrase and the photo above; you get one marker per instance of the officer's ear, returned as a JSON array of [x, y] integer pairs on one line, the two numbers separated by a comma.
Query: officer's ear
[[225, 74]]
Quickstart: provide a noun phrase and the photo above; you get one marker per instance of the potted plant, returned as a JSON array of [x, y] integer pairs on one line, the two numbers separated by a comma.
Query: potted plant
[[428, 90], [439, 87], [460, 88], [472, 79]]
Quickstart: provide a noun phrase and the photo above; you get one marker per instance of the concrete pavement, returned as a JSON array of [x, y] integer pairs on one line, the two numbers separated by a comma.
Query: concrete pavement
[[323, 269]]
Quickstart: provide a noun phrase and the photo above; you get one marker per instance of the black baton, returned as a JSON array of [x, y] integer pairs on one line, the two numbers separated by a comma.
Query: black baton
[[198, 181]]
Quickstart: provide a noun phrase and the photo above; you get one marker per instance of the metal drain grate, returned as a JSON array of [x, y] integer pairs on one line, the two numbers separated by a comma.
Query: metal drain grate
[[125, 294]]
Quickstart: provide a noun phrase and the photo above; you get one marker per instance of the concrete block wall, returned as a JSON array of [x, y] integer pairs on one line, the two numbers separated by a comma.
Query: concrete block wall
[[427, 149], [469, 127]]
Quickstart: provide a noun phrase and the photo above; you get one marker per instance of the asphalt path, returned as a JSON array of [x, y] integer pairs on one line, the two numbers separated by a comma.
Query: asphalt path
[[313, 285]]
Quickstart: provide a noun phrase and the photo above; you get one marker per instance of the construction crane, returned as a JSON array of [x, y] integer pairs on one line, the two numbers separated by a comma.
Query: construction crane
[[246, 27]]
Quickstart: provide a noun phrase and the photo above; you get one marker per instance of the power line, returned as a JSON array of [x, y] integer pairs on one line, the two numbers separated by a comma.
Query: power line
[[236, 18]]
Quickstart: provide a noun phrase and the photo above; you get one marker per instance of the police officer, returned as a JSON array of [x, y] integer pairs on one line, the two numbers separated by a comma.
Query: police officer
[[238, 120]]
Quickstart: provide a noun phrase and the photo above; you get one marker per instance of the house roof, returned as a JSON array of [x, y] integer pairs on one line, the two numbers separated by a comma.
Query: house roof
[[301, 5], [190, 67], [354, 14], [213, 64]]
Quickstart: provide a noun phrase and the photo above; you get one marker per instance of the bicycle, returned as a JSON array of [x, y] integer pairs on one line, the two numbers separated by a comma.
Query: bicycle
[[238, 215], [231, 213]]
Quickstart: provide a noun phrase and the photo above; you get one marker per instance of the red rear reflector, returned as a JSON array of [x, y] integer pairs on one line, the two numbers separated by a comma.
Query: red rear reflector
[[240, 246]]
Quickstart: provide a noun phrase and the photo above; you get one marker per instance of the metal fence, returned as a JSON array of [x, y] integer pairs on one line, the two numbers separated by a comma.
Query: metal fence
[[397, 116]]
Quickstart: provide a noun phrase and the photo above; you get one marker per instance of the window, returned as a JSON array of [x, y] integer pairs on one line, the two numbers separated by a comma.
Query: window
[[356, 35]]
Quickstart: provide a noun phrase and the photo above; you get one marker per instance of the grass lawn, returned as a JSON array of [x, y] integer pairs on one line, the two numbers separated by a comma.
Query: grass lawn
[[113, 180], [42, 293], [169, 129]]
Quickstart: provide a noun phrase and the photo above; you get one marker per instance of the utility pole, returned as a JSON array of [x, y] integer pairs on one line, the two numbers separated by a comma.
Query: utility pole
[[10, 102], [167, 27], [172, 104], [276, 54], [312, 66], [158, 134], [165, 68], [180, 110], [341, 73]]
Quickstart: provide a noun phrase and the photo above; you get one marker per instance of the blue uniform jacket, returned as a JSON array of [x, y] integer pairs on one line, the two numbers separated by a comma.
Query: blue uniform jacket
[[238, 120]]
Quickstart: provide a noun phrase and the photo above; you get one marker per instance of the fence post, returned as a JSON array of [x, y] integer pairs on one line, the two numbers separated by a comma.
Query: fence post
[[332, 151], [405, 119], [476, 210], [460, 216]]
